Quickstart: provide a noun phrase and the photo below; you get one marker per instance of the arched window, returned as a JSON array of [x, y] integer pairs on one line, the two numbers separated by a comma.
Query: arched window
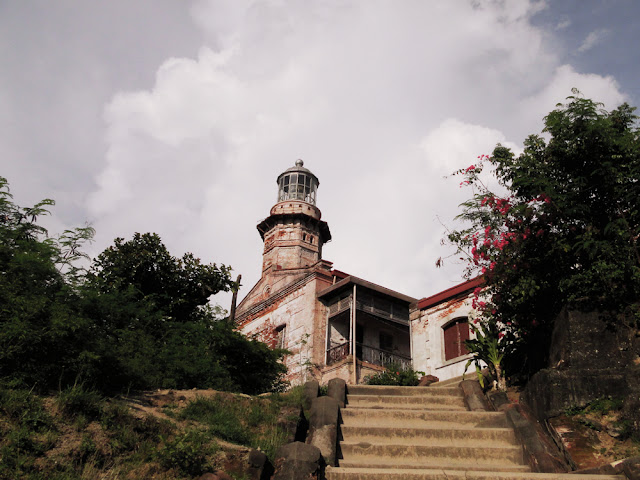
[[455, 333]]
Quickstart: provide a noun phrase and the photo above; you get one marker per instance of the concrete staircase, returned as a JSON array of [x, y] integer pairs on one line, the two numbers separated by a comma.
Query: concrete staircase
[[427, 433]]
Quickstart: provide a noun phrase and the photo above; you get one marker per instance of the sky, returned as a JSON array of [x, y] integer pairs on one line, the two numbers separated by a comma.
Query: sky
[[176, 117]]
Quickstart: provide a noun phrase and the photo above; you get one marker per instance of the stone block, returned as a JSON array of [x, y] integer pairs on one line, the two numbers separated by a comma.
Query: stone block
[[474, 396], [337, 389], [324, 411], [590, 340], [325, 438], [427, 380], [258, 466], [297, 461], [539, 452], [323, 427], [311, 389], [550, 392]]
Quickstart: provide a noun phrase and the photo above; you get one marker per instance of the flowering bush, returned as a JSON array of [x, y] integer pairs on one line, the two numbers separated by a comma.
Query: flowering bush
[[564, 232]]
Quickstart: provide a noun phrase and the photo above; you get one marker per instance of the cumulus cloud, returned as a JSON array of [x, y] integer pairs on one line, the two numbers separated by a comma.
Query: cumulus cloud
[[381, 102]]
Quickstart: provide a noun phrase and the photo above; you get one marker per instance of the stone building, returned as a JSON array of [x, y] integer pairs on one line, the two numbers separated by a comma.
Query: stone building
[[335, 324]]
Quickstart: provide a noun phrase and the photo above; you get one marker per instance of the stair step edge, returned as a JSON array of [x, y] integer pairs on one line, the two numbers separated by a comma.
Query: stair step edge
[[343, 472]]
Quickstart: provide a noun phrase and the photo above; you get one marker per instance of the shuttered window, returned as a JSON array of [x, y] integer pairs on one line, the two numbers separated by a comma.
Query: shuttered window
[[455, 333]]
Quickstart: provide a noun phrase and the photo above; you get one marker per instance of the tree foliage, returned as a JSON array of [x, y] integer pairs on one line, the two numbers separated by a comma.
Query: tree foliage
[[177, 286], [567, 231], [38, 318], [138, 319]]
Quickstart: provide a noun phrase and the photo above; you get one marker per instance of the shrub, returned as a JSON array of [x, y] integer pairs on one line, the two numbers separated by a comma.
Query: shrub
[[187, 453], [394, 374]]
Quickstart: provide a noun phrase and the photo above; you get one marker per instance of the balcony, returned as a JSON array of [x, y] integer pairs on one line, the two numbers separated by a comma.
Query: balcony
[[369, 354]]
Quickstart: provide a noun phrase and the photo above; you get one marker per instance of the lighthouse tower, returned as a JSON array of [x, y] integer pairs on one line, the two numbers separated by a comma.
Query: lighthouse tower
[[282, 308], [293, 233]]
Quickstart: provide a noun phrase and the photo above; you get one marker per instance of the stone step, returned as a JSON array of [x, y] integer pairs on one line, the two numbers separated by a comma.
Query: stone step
[[455, 457], [450, 382], [342, 473], [407, 418], [428, 466], [403, 391], [462, 436], [449, 402]]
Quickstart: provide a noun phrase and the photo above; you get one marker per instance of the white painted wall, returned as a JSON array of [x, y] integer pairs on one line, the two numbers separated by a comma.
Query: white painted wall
[[428, 338]]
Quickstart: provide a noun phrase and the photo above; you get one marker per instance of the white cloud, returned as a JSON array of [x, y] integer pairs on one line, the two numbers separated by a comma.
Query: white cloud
[[593, 39], [380, 101]]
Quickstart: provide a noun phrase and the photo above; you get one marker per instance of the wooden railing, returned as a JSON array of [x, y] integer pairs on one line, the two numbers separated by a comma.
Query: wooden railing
[[382, 357], [368, 354], [375, 306]]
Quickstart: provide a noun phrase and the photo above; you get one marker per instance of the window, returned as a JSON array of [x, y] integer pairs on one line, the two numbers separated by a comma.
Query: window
[[455, 333], [297, 186], [280, 336]]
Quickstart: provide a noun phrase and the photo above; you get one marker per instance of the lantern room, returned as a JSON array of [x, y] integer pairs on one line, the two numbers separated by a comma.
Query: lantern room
[[298, 183]]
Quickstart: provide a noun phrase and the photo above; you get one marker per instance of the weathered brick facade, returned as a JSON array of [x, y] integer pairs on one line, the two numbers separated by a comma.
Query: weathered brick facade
[[282, 308], [334, 324]]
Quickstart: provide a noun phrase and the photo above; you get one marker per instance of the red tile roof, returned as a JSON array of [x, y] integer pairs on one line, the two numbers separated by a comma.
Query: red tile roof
[[450, 293]]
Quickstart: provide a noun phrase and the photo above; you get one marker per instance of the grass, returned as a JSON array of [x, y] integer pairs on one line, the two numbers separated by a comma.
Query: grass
[[253, 422], [55, 442], [601, 406], [77, 402], [79, 435]]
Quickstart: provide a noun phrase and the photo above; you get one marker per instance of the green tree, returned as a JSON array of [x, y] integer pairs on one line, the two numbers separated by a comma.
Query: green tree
[[139, 319], [39, 321], [566, 232], [157, 330], [177, 286]]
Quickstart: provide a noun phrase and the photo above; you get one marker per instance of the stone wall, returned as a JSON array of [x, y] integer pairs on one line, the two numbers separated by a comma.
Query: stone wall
[[591, 356]]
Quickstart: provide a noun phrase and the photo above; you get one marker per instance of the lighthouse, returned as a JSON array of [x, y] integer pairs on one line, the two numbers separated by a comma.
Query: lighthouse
[[293, 233]]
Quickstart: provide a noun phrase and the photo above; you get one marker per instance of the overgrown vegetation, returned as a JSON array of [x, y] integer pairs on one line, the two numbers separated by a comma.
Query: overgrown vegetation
[[565, 232], [71, 435], [137, 319], [394, 374], [256, 422], [80, 434]]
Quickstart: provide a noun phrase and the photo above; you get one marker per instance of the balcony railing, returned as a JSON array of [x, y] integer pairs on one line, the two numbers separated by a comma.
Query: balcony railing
[[368, 354], [382, 357], [379, 307], [337, 353]]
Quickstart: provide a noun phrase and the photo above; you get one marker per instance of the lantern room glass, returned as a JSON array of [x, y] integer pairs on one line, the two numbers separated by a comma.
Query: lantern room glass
[[297, 186]]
